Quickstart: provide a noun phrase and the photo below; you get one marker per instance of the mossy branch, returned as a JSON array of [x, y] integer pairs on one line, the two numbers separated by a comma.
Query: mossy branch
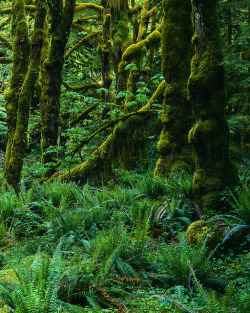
[[141, 47], [81, 116], [99, 157], [135, 10], [29, 7], [6, 60], [84, 6], [4, 22], [82, 88], [102, 127], [85, 19], [5, 42], [81, 42], [81, 28]]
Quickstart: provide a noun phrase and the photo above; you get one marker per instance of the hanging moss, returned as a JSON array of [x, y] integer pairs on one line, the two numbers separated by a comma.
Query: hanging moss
[[209, 134], [175, 152]]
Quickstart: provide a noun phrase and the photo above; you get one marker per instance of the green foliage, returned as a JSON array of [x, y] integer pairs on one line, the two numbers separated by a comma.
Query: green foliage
[[240, 202], [177, 257], [36, 290], [153, 187]]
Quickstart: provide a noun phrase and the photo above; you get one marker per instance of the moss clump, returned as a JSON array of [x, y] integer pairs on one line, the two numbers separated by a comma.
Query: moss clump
[[213, 232]]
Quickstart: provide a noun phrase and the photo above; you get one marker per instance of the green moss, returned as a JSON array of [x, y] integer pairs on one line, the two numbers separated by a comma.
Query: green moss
[[24, 100], [209, 134], [50, 105], [213, 232], [20, 44], [177, 115]]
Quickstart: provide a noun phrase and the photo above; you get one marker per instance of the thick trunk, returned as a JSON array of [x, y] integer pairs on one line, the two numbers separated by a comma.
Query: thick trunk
[[209, 134], [175, 152]]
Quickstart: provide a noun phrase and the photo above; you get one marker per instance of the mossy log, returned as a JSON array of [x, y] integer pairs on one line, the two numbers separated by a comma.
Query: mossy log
[[173, 146], [209, 134], [101, 157], [13, 172]]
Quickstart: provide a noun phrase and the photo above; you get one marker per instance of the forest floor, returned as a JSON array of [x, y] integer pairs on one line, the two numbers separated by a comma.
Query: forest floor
[[122, 246]]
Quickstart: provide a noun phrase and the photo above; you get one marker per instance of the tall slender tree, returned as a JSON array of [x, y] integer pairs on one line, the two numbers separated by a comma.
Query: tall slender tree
[[62, 17], [19, 96]]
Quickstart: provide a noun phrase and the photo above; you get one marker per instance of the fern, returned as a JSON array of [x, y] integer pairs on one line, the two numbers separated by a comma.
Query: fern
[[36, 290], [177, 258]]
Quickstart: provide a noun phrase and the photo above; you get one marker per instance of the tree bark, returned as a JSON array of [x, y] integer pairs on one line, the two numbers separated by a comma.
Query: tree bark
[[20, 48], [50, 106], [209, 134], [109, 149], [19, 141], [173, 146]]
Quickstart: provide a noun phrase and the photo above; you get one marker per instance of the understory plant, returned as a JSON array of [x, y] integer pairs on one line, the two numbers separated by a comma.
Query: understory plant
[[175, 260]]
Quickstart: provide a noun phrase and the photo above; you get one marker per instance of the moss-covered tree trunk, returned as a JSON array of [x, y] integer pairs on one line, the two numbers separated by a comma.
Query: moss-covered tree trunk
[[133, 147], [110, 148], [104, 51], [20, 48], [209, 134], [62, 18], [17, 150], [173, 146]]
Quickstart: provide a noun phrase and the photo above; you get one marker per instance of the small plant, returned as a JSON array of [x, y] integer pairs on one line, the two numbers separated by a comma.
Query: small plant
[[174, 209], [240, 202], [176, 259], [180, 185], [36, 290], [153, 187]]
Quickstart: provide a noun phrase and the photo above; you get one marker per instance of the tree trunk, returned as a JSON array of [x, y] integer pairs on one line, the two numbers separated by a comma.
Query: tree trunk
[[110, 148], [50, 106], [174, 149], [20, 48], [209, 134], [25, 97]]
